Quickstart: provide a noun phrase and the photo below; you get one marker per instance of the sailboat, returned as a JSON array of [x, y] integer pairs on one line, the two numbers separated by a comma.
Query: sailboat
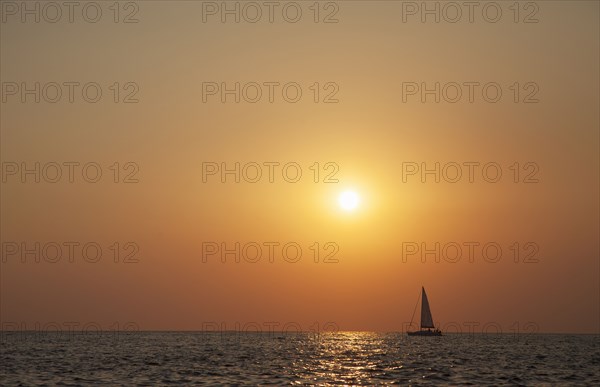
[[426, 319]]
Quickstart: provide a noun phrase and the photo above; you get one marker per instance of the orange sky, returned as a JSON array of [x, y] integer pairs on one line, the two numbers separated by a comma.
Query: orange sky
[[370, 135]]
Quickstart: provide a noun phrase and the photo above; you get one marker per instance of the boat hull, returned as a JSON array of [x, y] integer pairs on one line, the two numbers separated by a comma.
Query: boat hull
[[425, 333]]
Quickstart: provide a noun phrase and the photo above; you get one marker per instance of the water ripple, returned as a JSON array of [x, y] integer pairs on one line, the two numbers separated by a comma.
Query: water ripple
[[345, 358]]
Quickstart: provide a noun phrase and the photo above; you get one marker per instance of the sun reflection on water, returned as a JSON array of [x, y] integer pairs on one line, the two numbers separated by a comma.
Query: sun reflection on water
[[347, 358]]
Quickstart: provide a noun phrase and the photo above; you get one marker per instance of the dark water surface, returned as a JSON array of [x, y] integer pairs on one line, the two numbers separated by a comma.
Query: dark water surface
[[348, 358]]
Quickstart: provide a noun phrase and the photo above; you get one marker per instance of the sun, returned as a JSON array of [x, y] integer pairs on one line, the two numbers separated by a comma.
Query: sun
[[349, 200]]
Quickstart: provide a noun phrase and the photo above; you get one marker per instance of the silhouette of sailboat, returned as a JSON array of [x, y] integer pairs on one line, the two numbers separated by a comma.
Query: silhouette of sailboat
[[426, 319]]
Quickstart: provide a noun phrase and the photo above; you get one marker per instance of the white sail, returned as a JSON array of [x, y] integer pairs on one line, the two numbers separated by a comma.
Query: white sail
[[426, 319]]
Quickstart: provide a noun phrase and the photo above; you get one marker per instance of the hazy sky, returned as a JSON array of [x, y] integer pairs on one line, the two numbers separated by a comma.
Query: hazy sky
[[378, 61]]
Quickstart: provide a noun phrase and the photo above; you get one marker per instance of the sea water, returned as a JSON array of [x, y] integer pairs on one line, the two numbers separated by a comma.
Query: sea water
[[342, 358]]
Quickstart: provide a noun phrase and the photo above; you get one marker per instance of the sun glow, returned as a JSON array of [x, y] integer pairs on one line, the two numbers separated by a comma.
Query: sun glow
[[349, 200]]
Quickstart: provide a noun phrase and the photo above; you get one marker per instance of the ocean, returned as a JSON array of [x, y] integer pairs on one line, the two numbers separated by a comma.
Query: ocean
[[342, 358]]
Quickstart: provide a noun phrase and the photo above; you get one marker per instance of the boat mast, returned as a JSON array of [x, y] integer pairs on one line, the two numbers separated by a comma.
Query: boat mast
[[417, 304]]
